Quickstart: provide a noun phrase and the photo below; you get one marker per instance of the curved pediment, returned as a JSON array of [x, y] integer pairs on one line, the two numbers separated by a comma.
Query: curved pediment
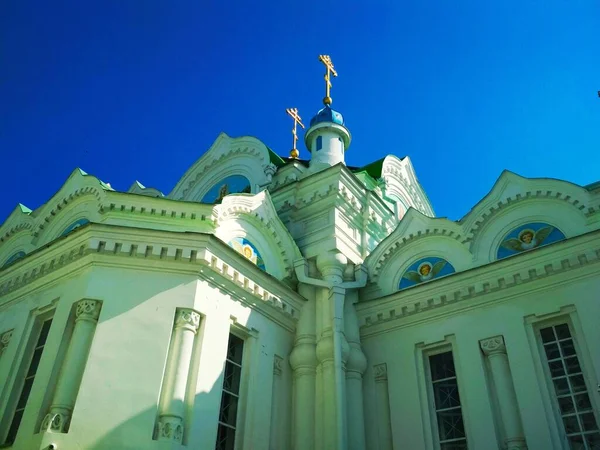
[[511, 188], [78, 200], [229, 161], [515, 201], [254, 218], [415, 226], [402, 185]]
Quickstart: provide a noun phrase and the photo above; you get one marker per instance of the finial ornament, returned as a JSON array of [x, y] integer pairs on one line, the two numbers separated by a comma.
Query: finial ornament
[[325, 59], [293, 113]]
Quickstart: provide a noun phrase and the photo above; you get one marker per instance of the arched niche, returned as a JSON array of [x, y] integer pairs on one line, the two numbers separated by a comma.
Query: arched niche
[[558, 214], [425, 269], [528, 236], [243, 231], [427, 249], [248, 250]]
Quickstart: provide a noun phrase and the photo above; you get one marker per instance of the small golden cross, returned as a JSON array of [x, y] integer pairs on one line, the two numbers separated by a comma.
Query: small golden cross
[[325, 59], [293, 113]]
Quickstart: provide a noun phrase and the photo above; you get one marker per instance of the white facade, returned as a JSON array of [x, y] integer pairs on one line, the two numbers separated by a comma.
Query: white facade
[[305, 309]]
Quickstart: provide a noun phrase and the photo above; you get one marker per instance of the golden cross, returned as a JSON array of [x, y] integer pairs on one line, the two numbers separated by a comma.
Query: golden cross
[[293, 113], [325, 59]]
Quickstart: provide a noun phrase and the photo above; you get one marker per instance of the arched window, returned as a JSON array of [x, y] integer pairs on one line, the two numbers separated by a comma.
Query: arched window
[[319, 143], [234, 184], [74, 226], [14, 258]]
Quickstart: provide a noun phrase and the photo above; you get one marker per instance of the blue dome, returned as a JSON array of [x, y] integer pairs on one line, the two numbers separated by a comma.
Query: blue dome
[[327, 115]]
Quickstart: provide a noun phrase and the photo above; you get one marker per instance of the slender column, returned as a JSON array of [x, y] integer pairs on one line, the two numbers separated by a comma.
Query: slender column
[[383, 406], [58, 418], [4, 341], [355, 368], [276, 441], [495, 350], [303, 361], [332, 351], [172, 405]]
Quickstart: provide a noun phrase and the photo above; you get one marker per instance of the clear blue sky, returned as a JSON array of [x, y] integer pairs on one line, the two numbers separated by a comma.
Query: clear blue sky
[[138, 89]]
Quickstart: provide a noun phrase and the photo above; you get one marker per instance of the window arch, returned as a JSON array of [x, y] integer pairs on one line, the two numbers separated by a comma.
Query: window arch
[[319, 143], [74, 226], [233, 184], [14, 257]]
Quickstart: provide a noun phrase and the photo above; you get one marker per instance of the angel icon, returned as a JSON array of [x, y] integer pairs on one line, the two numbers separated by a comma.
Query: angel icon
[[527, 239], [245, 250], [425, 272]]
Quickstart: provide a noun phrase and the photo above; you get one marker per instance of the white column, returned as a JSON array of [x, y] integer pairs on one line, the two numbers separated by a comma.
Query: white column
[[355, 368], [303, 361], [383, 406], [495, 350], [172, 406], [276, 437], [332, 351], [58, 418]]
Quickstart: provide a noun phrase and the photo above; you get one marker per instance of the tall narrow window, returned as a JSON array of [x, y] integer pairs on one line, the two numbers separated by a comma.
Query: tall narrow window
[[319, 142], [581, 426], [231, 394], [448, 414], [28, 382]]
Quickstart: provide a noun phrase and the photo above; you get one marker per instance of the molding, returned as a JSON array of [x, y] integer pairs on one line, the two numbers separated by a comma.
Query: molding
[[260, 207], [447, 295], [493, 345], [201, 255], [224, 149]]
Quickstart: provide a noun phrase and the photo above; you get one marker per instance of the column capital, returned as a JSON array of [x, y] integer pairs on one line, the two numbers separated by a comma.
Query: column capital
[[170, 428], [380, 372], [4, 340], [57, 420], [188, 319], [87, 309], [277, 367], [493, 345]]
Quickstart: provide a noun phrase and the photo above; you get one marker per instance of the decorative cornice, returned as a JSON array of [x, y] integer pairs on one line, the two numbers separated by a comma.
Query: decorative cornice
[[380, 372], [154, 250], [5, 340], [493, 345], [553, 260], [187, 319], [88, 310]]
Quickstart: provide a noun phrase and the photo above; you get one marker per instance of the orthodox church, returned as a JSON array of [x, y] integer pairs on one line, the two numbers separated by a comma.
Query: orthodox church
[[275, 303]]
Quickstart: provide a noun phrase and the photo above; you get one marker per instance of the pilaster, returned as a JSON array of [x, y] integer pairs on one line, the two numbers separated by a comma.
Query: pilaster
[[494, 349]]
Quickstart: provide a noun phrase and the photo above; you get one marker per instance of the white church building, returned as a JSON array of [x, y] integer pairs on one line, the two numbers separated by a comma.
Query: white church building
[[271, 303]]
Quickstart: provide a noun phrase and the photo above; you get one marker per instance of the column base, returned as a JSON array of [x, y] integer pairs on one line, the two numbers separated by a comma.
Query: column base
[[57, 420], [169, 428], [515, 444]]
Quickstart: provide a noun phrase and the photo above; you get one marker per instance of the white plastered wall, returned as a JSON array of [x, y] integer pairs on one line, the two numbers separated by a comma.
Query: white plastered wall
[[117, 408]]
